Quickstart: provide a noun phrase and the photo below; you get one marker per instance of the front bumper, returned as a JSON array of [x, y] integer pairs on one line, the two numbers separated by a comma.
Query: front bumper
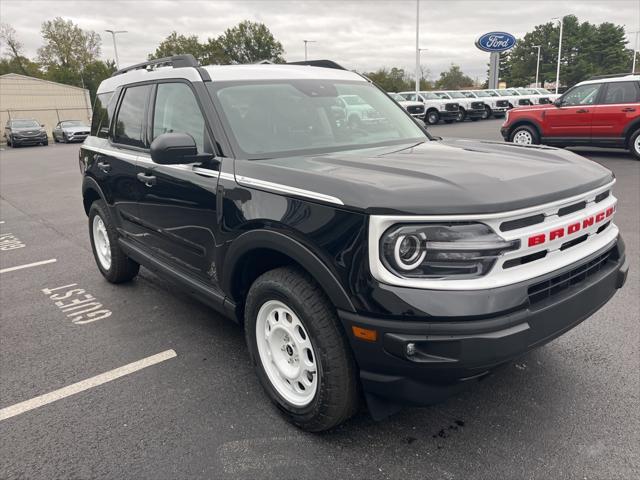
[[28, 140], [448, 114], [450, 351], [477, 113]]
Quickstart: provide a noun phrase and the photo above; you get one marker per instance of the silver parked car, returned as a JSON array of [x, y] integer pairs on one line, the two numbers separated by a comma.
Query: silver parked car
[[71, 131]]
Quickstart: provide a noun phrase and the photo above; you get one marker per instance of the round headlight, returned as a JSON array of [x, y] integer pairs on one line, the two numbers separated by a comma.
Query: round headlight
[[409, 251]]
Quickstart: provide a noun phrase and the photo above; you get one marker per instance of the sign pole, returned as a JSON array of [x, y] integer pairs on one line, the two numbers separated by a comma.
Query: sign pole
[[494, 69]]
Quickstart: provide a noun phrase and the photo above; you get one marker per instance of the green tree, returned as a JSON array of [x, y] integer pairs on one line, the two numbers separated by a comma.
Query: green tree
[[67, 46], [176, 44], [587, 50], [15, 62], [392, 80], [453, 79], [250, 42]]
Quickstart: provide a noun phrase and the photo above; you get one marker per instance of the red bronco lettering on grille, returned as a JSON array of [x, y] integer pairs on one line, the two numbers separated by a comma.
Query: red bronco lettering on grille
[[560, 232]]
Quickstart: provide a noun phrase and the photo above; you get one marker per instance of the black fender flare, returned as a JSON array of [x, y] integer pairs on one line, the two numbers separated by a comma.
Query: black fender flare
[[285, 244], [90, 184], [526, 121], [629, 129]]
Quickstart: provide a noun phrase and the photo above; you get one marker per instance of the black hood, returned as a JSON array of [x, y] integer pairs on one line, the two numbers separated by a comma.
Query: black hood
[[437, 177]]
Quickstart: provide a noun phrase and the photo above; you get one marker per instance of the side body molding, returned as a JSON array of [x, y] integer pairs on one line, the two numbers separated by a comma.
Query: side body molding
[[272, 240]]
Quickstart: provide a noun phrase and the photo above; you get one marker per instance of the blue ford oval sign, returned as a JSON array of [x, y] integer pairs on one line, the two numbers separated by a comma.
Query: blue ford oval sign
[[496, 42]]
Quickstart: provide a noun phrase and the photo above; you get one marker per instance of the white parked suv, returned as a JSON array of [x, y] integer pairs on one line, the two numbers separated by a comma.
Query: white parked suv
[[436, 108]]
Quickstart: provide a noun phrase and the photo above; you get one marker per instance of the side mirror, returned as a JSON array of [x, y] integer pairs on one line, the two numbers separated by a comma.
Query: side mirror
[[558, 102], [176, 149]]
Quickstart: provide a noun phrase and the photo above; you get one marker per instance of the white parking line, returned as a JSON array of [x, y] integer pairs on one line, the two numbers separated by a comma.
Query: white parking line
[[28, 265], [98, 380]]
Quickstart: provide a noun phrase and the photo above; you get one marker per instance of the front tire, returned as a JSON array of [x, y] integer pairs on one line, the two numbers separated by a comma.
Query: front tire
[[524, 135], [432, 117], [112, 262], [487, 112], [462, 114], [634, 144], [300, 352]]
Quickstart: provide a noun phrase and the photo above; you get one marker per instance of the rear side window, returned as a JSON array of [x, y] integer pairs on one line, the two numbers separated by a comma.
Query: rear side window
[[621, 92], [176, 110], [129, 125], [102, 113]]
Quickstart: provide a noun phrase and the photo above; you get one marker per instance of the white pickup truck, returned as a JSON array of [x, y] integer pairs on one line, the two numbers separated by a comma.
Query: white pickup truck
[[495, 105], [436, 108], [470, 107], [415, 109]]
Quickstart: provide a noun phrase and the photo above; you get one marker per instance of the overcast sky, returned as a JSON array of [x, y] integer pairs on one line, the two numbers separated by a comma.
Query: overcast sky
[[361, 35]]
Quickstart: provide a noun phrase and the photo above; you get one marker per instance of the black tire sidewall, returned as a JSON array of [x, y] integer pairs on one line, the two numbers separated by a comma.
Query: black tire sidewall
[[273, 293], [436, 116], [535, 140], [632, 149], [98, 208]]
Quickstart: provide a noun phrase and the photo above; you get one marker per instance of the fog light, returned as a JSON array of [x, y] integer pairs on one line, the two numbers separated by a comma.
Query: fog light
[[411, 349]]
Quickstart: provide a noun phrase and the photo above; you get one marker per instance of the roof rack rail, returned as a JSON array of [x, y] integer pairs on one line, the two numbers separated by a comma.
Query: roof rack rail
[[319, 63], [613, 75], [177, 61]]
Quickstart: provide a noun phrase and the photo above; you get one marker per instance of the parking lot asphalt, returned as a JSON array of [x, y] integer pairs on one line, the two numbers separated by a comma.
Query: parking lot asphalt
[[567, 410]]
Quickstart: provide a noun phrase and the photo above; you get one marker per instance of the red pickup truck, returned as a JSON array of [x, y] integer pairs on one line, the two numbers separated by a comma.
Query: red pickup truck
[[601, 112]]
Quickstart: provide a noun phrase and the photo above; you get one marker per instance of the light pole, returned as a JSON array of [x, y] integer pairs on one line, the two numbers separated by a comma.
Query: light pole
[[537, 64], [420, 50], [635, 52], [305, 47], [115, 48], [417, 47], [561, 20]]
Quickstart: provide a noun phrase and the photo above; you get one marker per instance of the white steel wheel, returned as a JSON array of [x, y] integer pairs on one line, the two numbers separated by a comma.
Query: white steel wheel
[[101, 242], [286, 353], [523, 137], [636, 145]]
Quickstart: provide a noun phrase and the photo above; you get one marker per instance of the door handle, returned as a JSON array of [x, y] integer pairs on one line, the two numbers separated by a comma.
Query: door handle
[[582, 110], [105, 167], [629, 109], [148, 180]]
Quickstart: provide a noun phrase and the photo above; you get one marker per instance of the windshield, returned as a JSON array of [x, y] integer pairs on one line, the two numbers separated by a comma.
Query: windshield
[[527, 91], [277, 118], [430, 96], [72, 123], [397, 97], [455, 95], [506, 93], [481, 93], [544, 91], [469, 94], [24, 124], [442, 95]]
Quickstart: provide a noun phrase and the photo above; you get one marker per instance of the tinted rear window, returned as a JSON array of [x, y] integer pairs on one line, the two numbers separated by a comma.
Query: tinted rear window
[[129, 126]]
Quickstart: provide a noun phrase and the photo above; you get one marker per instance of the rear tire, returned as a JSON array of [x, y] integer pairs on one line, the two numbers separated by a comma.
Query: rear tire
[[300, 352], [524, 135], [112, 262], [634, 144]]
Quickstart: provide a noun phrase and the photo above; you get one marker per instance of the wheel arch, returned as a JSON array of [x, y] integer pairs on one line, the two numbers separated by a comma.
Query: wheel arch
[[526, 122], [258, 251], [91, 192], [630, 129]]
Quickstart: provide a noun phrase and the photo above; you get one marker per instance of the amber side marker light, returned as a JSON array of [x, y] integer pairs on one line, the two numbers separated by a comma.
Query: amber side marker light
[[364, 334]]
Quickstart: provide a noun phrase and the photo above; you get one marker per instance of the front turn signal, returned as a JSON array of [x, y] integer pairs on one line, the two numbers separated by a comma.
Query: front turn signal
[[364, 334]]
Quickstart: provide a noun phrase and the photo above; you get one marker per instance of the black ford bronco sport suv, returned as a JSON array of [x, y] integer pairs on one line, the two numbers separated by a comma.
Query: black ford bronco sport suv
[[367, 260]]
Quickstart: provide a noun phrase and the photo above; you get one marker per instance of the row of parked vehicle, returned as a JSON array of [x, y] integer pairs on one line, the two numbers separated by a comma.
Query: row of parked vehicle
[[458, 105], [27, 131]]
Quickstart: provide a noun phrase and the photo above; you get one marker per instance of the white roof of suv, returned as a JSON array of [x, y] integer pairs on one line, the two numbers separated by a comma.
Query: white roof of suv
[[622, 78], [221, 73]]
